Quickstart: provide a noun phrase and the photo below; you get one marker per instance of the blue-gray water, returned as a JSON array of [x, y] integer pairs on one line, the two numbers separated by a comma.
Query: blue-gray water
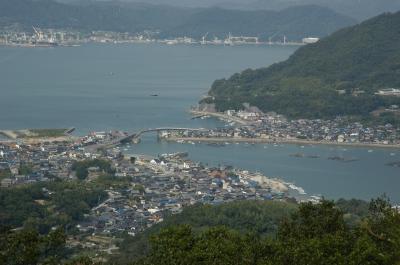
[[102, 87], [97, 87], [366, 178]]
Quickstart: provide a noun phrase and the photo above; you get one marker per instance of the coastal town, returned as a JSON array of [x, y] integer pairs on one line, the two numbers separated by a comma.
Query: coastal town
[[141, 189], [252, 125], [55, 37]]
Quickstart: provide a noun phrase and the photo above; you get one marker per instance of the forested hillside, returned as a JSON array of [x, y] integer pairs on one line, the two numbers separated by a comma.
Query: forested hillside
[[260, 218], [314, 234], [336, 76], [242, 232]]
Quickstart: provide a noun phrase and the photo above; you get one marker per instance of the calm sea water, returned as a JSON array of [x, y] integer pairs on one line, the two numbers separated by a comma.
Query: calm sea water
[[103, 87], [98, 87]]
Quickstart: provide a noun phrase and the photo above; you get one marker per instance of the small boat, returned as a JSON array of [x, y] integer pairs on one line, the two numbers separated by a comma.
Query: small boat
[[154, 95], [342, 159], [297, 155]]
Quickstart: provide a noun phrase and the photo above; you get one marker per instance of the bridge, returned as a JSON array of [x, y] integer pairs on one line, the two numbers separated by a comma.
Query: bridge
[[135, 136]]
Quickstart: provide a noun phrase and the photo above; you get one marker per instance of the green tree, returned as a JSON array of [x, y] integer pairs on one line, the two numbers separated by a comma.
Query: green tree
[[28, 247], [172, 246], [378, 236], [25, 169], [220, 246], [316, 234]]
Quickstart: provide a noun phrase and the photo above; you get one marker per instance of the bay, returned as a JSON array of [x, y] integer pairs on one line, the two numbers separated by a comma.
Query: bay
[[103, 87], [365, 178]]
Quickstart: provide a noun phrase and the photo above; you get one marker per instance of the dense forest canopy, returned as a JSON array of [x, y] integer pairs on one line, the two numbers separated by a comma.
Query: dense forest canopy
[[260, 218], [42, 206], [338, 75], [314, 234]]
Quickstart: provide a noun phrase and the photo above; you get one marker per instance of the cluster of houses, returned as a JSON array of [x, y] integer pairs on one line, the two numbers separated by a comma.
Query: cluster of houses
[[276, 127], [164, 185], [143, 190], [22, 163]]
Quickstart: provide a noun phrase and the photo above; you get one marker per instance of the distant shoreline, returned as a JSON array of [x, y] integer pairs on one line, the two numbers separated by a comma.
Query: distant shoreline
[[219, 115], [225, 117], [277, 141], [39, 140]]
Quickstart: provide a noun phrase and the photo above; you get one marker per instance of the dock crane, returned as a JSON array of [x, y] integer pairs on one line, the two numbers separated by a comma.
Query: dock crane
[[39, 33], [228, 40], [203, 39], [271, 37]]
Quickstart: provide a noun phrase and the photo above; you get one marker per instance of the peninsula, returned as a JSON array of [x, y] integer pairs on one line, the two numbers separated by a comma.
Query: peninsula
[[352, 73], [253, 126]]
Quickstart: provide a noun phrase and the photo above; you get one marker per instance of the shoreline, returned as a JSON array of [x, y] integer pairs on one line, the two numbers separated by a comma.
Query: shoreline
[[40, 140], [273, 141], [227, 118], [220, 116]]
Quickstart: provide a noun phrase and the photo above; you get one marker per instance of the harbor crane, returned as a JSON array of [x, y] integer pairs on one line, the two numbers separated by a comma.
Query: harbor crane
[[271, 37], [228, 41], [203, 39], [38, 33]]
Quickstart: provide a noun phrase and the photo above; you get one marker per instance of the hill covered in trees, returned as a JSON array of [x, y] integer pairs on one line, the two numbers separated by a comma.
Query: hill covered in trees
[[257, 218], [294, 23], [314, 234], [336, 76], [241, 232], [261, 217]]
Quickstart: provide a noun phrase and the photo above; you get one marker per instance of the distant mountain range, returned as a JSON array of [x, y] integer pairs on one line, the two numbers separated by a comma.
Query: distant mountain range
[[338, 75], [294, 23], [357, 9]]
